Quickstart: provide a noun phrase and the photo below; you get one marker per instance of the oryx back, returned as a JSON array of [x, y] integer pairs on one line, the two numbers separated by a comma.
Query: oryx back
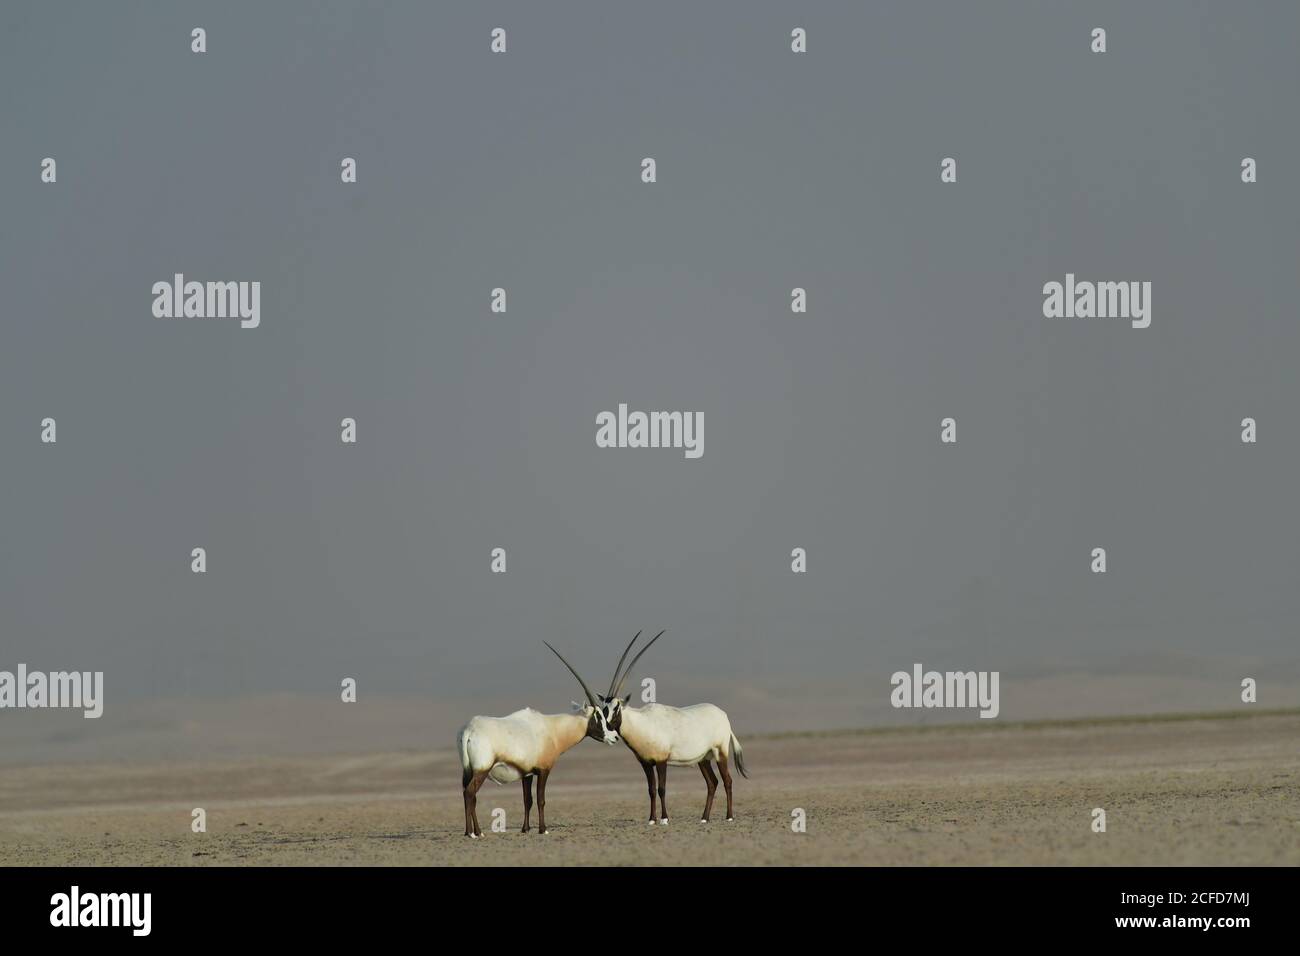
[[680, 735], [507, 747]]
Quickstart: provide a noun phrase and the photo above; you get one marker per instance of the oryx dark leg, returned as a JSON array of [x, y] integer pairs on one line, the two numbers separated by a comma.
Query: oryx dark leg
[[465, 778], [649, 768], [528, 801], [471, 802], [662, 767], [726, 781], [474, 786], [541, 800], [710, 781]]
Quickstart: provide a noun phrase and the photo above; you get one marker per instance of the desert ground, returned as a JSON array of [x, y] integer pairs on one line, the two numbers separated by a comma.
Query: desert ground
[[1194, 789]]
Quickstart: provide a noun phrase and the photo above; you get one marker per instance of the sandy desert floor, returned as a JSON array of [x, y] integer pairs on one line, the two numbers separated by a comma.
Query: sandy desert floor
[[1188, 790]]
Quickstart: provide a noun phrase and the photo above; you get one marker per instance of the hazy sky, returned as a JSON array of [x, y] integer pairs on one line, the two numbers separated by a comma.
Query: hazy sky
[[477, 431]]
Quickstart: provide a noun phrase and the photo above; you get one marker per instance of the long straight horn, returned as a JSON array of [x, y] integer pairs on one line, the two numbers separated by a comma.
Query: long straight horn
[[634, 660], [619, 666], [585, 689]]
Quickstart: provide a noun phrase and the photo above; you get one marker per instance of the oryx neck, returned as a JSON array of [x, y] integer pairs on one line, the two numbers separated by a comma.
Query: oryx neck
[[569, 729], [632, 726]]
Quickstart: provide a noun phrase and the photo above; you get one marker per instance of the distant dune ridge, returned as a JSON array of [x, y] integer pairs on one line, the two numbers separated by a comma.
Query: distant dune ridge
[[283, 724]]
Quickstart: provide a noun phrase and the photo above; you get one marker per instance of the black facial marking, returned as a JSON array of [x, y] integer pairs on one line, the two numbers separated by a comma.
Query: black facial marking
[[596, 726], [614, 716]]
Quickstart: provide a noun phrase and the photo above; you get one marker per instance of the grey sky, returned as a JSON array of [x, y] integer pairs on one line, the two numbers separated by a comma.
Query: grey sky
[[478, 431]]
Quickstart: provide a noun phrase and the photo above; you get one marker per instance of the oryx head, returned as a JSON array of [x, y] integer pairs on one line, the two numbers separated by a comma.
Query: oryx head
[[611, 703], [597, 729]]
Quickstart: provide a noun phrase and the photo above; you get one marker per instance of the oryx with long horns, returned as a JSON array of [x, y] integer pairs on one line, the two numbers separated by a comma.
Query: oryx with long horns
[[660, 735], [523, 745]]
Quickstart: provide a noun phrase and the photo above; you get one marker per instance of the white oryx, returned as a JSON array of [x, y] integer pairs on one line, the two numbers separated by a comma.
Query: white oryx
[[524, 744], [659, 735]]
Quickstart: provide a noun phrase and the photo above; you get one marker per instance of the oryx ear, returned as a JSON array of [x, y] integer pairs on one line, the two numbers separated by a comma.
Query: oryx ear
[[577, 707]]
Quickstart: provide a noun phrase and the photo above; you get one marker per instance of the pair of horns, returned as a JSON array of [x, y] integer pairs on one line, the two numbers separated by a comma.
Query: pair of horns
[[616, 683]]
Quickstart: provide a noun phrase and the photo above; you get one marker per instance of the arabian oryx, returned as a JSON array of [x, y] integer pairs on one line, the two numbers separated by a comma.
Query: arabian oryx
[[659, 735], [523, 745]]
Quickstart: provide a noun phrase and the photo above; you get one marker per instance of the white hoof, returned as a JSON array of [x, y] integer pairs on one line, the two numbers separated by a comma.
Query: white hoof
[[731, 819], [473, 836], [652, 823], [702, 820], [664, 821]]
